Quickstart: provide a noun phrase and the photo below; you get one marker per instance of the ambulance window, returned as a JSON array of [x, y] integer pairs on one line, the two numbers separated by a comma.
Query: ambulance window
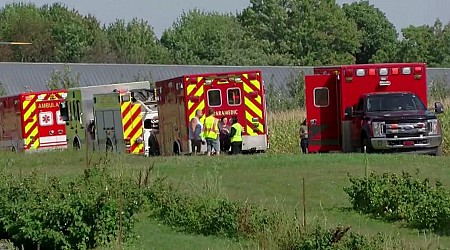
[[321, 97], [148, 124], [72, 110], [214, 98], [234, 96], [78, 110]]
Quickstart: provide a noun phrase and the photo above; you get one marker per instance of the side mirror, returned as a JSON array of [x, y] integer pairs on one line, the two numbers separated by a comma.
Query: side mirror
[[349, 112], [438, 108], [63, 109]]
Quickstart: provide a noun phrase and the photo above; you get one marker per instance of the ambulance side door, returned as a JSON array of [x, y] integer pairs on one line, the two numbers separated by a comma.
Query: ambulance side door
[[322, 112]]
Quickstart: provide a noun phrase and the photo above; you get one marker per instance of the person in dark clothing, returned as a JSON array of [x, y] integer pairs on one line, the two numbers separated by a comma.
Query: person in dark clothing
[[236, 136], [224, 135]]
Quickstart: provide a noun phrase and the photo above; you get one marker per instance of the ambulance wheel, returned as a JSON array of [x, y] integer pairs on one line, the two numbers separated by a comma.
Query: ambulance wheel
[[109, 145], [76, 143], [152, 146], [176, 148]]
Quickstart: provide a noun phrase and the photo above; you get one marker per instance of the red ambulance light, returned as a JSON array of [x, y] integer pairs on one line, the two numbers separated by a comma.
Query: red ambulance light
[[253, 94], [417, 70], [417, 73], [371, 72], [194, 98], [394, 71], [348, 75], [193, 80], [252, 76]]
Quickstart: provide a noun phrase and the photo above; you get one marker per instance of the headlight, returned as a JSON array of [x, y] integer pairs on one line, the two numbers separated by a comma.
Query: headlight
[[378, 129], [433, 127]]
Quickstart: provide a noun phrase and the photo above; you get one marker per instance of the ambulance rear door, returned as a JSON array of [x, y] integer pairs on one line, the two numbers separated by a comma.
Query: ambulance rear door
[[322, 112]]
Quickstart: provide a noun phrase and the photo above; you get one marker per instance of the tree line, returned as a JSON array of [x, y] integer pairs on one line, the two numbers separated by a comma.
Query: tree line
[[267, 32]]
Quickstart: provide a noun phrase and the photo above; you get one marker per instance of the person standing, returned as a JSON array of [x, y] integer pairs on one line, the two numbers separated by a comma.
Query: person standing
[[304, 137], [236, 136], [224, 135], [195, 132], [211, 133]]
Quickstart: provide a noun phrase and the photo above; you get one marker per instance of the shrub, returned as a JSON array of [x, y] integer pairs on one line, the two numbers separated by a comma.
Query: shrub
[[402, 198], [208, 213], [77, 214]]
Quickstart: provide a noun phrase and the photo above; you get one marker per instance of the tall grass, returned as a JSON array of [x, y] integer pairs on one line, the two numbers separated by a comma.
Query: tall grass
[[284, 129]]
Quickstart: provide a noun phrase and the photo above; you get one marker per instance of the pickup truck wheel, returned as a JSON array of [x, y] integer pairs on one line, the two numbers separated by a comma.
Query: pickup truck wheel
[[365, 146]]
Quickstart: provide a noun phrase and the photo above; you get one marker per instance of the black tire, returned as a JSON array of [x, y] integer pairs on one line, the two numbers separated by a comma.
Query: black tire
[[176, 148], [76, 144], [109, 145], [366, 147], [152, 146]]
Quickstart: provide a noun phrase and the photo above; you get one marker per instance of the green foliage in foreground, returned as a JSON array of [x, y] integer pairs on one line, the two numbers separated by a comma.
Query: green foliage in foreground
[[392, 197], [206, 212], [80, 213], [92, 209]]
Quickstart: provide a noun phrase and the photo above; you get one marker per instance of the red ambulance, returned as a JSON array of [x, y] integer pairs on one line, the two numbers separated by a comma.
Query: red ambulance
[[32, 121], [371, 108], [230, 94]]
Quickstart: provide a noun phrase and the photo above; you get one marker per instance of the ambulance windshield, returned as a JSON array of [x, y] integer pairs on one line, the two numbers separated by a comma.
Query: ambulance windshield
[[394, 102]]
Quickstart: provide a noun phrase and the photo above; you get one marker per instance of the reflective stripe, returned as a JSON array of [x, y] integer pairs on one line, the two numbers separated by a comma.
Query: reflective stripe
[[211, 127], [238, 135]]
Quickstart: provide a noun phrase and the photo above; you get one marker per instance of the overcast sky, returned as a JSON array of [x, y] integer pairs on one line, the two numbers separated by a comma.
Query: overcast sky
[[162, 13]]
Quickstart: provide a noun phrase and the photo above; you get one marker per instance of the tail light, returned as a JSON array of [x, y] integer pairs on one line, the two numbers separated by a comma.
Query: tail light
[[60, 131], [51, 132]]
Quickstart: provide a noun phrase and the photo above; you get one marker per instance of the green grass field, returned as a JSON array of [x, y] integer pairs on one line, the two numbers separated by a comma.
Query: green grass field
[[273, 181]]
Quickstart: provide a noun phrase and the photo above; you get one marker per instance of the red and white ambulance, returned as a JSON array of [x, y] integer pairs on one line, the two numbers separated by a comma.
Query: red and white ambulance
[[32, 121], [230, 94], [371, 108]]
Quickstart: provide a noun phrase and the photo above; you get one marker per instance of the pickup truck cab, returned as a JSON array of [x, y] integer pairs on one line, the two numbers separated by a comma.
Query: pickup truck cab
[[395, 122]]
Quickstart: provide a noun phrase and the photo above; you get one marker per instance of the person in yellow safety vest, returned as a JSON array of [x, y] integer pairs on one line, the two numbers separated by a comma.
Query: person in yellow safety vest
[[211, 133], [236, 137]]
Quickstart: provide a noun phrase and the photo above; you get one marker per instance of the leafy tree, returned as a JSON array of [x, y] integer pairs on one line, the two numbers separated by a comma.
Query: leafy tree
[[100, 50], [25, 22], [212, 38], [73, 33], [63, 80], [306, 32], [136, 42], [429, 44], [377, 32]]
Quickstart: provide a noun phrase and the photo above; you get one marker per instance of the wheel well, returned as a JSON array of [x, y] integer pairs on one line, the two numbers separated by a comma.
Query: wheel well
[[176, 147]]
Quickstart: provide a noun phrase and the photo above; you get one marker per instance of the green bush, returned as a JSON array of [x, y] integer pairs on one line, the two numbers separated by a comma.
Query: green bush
[[402, 198], [207, 213], [78, 214]]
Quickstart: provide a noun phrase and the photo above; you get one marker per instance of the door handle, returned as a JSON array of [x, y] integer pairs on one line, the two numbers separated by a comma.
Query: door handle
[[313, 121]]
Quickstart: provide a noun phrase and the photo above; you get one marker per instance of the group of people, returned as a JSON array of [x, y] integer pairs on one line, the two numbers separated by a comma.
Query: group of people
[[215, 133], [219, 137]]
